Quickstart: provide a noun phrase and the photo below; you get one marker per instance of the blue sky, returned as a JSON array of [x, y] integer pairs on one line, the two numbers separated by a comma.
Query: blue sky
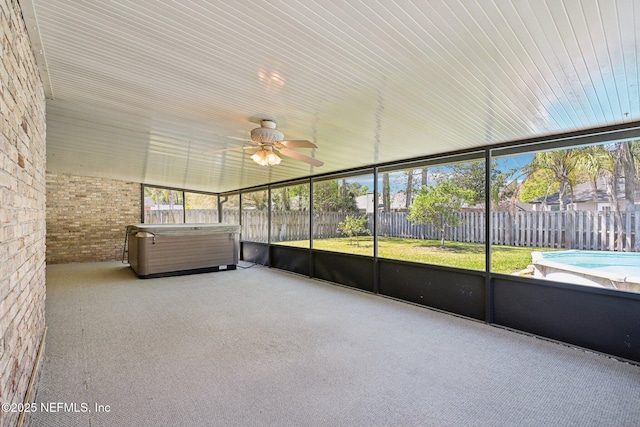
[[504, 164]]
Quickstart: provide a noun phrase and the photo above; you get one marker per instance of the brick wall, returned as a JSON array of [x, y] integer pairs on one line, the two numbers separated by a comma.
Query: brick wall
[[22, 209], [86, 217]]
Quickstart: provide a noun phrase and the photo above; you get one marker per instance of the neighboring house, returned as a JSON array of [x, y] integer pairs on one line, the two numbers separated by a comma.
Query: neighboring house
[[517, 206], [582, 199], [365, 202]]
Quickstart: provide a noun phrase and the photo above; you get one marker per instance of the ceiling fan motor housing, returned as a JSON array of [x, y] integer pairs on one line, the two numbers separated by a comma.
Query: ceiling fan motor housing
[[267, 133]]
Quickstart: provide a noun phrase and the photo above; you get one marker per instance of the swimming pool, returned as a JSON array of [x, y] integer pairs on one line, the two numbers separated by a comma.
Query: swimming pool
[[618, 270]]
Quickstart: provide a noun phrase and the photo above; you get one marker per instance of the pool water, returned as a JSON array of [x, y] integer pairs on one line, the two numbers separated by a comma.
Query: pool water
[[611, 261], [619, 270]]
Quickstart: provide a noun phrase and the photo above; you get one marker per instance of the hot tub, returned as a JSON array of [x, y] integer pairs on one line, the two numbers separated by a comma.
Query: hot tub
[[618, 270], [156, 250]]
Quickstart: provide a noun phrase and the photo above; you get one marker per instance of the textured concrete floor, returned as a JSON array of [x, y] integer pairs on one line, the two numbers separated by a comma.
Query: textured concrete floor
[[262, 347]]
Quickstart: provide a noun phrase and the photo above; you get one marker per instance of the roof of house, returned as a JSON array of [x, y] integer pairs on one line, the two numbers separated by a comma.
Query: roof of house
[[398, 201], [583, 193]]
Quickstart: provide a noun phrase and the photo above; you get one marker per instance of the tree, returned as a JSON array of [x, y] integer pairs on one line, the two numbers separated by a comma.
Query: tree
[[616, 164], [537, 185], [335, 196], [386, 192], [200, 201], [628, 158], [354, 226], [563, 166], [163, 196], [172, 199], [439, 205], [595, 161], [470, 176], [281, 199], [299, 194], [255, 200], [408, 193]]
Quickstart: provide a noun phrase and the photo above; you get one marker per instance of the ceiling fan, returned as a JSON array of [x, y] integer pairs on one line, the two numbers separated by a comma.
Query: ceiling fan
[[270, 142]]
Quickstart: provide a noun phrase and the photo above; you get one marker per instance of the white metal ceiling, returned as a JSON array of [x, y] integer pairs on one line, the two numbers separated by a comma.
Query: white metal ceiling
[[152, 91]]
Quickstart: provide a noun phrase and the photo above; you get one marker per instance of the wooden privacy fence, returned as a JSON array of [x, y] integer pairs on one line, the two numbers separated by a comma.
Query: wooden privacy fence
[[396, 224], [569, 230], [588, 230], [290, 225], [174, 216]]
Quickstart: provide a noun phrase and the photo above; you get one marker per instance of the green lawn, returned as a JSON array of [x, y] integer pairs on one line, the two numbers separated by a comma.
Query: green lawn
[[505, 259]]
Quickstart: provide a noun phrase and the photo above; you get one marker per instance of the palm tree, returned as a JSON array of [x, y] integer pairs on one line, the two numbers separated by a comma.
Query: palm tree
[[615, 163], [628, 158], [593, 161], [625, 162], [563, 166]]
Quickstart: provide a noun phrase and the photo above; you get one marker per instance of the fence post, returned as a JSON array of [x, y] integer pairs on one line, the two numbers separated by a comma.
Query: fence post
[[627, 231], [636, 246]]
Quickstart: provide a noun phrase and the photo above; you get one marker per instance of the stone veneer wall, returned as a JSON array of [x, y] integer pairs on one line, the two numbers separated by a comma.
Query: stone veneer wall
[[87, 217], [22, 210]]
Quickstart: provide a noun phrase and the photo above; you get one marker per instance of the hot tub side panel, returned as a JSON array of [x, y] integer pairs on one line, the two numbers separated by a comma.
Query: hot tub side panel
[[137, 254], [174, 253]]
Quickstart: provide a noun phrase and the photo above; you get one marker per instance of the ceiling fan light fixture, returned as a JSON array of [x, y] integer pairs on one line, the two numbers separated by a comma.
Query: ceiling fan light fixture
[[265, 157], [270, 142]]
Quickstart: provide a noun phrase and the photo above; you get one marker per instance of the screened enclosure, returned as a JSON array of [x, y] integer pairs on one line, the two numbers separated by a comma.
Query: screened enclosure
[[472, 233]]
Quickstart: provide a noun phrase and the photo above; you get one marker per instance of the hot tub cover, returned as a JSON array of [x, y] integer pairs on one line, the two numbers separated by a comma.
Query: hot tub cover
[[184, 229]]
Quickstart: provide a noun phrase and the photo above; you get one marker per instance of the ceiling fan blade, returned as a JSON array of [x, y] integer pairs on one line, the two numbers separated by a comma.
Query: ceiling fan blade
[[300, 156], [298, 143]]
